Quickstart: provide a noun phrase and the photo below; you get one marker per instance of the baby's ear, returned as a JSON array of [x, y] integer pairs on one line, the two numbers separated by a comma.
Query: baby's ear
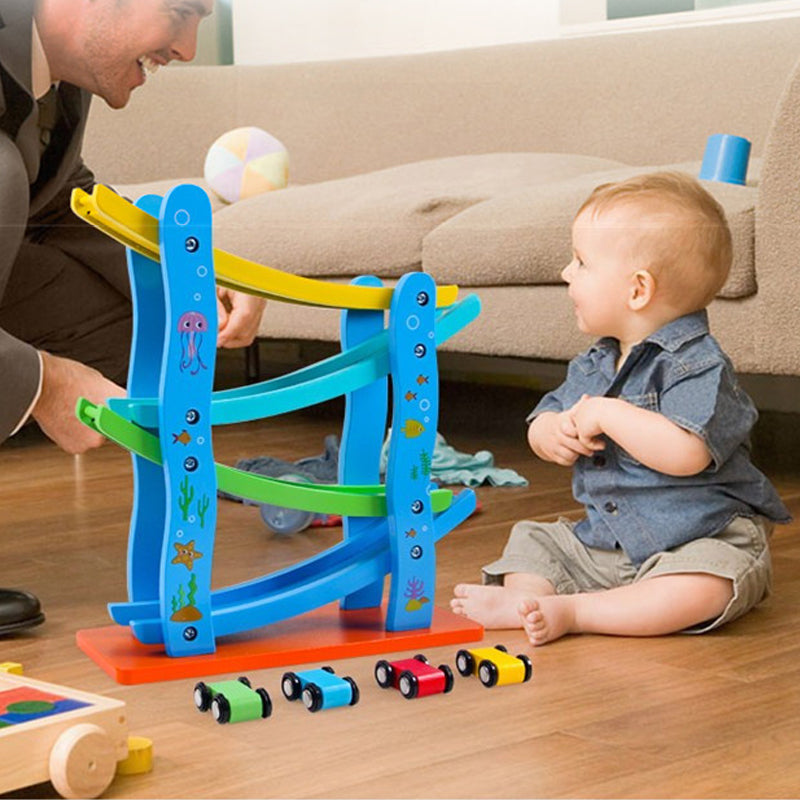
[[642, 291]]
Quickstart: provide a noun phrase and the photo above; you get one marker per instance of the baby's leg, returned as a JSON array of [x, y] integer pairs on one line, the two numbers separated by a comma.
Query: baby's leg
[[651, 607], [498, 606]]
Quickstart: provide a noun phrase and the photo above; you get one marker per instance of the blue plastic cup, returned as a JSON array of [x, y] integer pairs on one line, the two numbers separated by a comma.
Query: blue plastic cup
[[726, 159]]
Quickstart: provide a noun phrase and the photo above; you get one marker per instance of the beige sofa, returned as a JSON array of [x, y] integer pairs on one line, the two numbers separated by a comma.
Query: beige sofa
[[471, 164]]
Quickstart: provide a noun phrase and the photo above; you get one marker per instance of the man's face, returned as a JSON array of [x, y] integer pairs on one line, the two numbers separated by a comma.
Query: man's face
[[122, 37]]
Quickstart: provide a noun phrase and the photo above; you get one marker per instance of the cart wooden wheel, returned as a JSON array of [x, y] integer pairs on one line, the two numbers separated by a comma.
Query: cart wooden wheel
[[82, 761]]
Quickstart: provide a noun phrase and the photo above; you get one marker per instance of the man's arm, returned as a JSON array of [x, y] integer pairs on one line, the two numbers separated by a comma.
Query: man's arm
[[239, 317], [648, 436], [63, 382]]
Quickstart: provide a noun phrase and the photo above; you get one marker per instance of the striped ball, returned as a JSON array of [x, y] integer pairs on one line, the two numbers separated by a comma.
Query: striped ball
[[245, 162]]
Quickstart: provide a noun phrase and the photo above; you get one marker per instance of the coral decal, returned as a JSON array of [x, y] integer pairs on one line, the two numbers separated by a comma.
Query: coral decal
[[415, 592], [184, 609]]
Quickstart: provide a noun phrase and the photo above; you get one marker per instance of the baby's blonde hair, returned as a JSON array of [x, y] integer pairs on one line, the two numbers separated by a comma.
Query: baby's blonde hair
[[687, 244]]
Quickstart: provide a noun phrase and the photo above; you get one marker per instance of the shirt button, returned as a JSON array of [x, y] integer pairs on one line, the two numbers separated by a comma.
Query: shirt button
[[610, 506], [599, 461]]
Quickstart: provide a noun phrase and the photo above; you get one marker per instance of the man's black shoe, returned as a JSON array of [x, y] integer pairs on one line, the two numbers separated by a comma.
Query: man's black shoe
[[18, 610]]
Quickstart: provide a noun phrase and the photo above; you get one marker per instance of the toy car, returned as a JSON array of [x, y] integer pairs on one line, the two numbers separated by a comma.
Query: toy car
[[414, 677], [494, 666], [320, 688], [232, 701]]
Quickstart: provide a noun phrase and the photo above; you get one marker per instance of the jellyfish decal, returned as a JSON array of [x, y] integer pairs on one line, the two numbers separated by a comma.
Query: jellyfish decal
[[191, 326]]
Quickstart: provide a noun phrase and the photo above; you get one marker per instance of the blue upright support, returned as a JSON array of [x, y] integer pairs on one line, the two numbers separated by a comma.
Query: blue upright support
[[187, 378], [362, 436], [144, 373], [415, 410]]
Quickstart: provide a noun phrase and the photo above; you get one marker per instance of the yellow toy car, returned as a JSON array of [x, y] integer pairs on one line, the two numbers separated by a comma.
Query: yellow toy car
[[494, 666]]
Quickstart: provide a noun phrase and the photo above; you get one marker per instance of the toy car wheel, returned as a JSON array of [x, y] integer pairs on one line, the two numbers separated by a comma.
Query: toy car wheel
[[465, 663], [355, 695], [221, 709], [286, 521], [501, 647], [488, 673], [422, 658], [266, 703], [291, 686], [408, 684], [312, 697], [246, 681], [202, 696], [329, 669], [384, 674], [448, 677], [528, 667]]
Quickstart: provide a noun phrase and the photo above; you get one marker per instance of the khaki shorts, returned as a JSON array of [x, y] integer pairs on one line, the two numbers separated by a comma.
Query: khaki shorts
[[551, 550]]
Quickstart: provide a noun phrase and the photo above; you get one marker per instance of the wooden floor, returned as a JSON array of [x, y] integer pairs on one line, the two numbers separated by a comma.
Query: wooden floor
[[681, 716]]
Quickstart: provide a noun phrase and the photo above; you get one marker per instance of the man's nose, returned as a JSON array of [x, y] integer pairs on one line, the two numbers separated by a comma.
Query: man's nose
[[184, 48]]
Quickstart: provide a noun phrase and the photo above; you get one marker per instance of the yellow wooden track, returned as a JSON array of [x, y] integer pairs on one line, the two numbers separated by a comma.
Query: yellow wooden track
[[134, 228]]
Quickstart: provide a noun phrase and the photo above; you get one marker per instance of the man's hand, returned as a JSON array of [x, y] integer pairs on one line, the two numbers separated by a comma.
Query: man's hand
[[554, 437], [63, 382], [239, 317]]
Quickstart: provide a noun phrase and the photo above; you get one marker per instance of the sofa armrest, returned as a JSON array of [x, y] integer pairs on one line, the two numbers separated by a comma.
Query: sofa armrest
[[777, 229]]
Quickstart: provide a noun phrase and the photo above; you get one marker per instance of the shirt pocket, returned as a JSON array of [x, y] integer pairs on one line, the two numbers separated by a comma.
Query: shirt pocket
[[648, 401]]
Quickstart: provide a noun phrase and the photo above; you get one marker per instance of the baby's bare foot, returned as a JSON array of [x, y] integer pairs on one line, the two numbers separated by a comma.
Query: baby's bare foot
[[491, 606], [547, 618]]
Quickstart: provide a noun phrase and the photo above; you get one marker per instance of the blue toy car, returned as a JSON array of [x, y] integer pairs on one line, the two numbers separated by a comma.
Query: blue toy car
[[320, 688]]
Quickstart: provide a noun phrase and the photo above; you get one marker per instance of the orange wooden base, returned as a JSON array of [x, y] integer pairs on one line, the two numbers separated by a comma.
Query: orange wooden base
[[321, 635]]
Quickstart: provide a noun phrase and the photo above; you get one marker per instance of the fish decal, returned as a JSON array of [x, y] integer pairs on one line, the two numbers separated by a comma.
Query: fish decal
[[183, 437], [421, 379], [412, 428], [411, 396]]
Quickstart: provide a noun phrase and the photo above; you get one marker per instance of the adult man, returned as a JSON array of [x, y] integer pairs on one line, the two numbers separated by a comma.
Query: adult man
[[64, 297]]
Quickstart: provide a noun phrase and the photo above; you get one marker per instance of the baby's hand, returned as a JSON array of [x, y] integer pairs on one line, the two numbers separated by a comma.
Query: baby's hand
[[554, 437], [585, 416]]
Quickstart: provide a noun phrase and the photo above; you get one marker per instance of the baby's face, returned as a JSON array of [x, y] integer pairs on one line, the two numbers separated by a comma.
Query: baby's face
[[602, 266]]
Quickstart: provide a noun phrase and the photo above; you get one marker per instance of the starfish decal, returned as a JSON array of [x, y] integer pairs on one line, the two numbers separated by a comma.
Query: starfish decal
[[186, 554]]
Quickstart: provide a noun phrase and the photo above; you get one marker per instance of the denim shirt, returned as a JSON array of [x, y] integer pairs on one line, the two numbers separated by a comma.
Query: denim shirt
[[679, 371]]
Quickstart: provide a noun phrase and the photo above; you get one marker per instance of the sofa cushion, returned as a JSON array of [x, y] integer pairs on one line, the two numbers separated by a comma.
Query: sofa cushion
[[523, 237], [375, 222], [133, 191]]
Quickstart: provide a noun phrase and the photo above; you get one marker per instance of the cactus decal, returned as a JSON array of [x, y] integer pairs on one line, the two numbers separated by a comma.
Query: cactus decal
[[186, 497], [202, 507]]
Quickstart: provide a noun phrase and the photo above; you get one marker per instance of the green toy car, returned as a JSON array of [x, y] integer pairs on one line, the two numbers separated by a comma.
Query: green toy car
[[232, 701]]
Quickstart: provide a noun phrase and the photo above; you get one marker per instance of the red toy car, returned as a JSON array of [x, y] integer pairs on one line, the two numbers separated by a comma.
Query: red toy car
[[414, 677]]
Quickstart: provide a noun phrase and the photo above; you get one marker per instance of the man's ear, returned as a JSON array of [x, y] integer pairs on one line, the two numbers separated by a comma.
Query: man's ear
[[643, 289]]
